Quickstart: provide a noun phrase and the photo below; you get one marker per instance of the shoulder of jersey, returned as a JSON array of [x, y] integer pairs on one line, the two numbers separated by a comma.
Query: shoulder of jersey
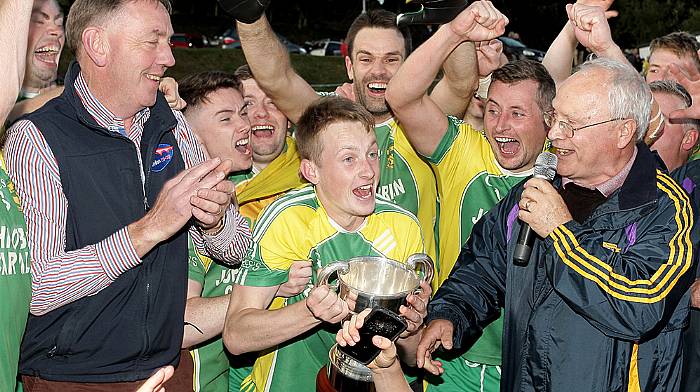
[[304, 197], [385, 206]]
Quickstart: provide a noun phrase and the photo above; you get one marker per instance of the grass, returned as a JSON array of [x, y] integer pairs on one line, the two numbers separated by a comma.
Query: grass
[[324, 73]]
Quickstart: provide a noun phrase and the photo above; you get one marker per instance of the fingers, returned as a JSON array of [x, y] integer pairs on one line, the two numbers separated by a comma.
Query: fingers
[[432, 366], [433, 336], [387, 356], [156, 381], [325, 305]]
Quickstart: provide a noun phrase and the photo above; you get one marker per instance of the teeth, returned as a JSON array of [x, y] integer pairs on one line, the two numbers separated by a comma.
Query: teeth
[[262, 128], [505, 139], [242, 142], [377, 86], [47, 49], [365, 187], [153, 77]]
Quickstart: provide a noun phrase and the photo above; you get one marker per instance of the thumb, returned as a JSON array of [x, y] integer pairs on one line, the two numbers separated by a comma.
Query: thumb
[[611, 14], [446, 338]]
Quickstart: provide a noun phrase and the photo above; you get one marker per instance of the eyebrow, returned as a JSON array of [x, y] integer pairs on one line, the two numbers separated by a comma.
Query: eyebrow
[[394, 53], [224, 111]]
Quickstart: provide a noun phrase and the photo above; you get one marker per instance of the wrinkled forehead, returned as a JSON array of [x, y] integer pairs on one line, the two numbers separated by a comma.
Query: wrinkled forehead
[[47, 8], [665, 57], [379, 41], [582, 94], [144, 16]]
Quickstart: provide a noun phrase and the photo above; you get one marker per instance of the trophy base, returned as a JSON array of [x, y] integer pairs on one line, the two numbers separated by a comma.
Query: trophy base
[[329, 379]]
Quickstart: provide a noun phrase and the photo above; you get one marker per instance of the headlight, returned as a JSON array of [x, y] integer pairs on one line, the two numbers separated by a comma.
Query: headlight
[[528, 52]]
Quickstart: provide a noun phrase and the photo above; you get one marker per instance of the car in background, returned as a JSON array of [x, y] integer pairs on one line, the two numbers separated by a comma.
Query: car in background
[[230, 40], [516, 50], [324, 47], [185, 40]]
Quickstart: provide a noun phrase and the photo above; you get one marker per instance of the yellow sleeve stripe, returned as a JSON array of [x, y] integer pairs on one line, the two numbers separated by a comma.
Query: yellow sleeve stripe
[[276, 208], [679, 260]]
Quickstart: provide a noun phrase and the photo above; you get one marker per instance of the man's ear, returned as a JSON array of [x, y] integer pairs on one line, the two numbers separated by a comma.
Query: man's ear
[[626, 133], [309, 170], [690, 139], [348, 67], [95, 45]]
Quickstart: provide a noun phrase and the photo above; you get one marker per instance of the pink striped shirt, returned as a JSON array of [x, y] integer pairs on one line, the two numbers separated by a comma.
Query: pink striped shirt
[[60, 277]]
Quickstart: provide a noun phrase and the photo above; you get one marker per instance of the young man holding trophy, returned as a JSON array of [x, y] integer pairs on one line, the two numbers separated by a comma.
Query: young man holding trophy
[[336, 218]]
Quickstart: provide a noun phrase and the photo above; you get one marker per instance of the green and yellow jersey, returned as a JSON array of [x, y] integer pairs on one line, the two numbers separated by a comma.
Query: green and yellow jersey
[[470, 182], [210, 362], [407, 180], [297, 227]]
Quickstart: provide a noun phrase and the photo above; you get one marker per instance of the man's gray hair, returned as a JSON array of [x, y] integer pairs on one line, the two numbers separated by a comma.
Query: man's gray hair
[[674, 88], [628, 94]]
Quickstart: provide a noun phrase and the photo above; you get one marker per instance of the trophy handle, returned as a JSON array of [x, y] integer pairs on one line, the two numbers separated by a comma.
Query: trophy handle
[[341, 267], [426, 264]]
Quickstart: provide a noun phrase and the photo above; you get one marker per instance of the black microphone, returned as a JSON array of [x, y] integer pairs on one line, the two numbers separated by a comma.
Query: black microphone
[[545, 168]]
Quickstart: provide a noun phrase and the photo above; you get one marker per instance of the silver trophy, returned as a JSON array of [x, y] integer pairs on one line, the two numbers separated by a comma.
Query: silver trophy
[[368, 282]]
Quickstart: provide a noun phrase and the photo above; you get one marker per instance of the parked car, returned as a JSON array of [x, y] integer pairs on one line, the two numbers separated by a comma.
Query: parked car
[[185, 40], [516, 50], [230, 40], [324, 47]]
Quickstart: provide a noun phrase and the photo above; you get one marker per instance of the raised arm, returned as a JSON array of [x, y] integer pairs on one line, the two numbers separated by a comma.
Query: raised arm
[[269, 61], [592, 30], [421, 118], [559, 57], [456, 88], [14, 28]]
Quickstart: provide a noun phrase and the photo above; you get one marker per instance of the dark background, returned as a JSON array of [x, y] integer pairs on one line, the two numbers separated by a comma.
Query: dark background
[[537, 21]]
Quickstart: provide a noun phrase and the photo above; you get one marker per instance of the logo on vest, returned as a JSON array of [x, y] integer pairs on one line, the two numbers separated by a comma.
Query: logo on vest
[[162, 157]]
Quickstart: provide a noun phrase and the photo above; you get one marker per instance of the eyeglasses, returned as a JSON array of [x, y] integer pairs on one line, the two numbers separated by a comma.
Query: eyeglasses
[[550, 119]]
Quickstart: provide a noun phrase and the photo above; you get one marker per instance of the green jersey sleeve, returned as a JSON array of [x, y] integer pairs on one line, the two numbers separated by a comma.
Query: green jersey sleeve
[[197, 267]]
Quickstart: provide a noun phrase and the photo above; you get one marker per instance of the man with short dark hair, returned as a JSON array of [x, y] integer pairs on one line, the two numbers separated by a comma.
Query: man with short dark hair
[[46, 39], [679, 48], [337, 217], [607, 282], [474, 169], [112, 183], [377, 50]]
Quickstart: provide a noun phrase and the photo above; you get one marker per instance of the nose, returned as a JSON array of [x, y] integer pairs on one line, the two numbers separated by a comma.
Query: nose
[[367, 170], [555, 132], [502, 122], [166, 55], [260, 111], [56, 30]]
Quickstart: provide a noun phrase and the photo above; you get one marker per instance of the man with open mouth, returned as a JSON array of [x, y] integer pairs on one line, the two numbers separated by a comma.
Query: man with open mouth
[[377, 48], [44, 47], [113, 186], [337, 216], [474, 169]]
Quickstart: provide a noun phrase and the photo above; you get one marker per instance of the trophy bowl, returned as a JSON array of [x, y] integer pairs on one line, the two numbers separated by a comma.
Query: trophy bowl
[[371, 281]]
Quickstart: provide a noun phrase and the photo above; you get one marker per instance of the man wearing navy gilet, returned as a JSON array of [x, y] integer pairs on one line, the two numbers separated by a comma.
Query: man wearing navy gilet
[[112, 182]]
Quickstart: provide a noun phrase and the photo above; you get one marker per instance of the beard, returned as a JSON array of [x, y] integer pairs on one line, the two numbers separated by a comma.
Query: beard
[[376, 106]]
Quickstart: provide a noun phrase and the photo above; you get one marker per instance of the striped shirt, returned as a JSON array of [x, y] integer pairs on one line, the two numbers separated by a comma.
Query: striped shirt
[[60, 277]]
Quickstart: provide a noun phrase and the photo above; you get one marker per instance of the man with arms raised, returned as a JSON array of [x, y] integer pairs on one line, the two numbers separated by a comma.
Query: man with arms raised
[[377, 48], [112, 183], [607, 282], [473, 170], [337, 217]]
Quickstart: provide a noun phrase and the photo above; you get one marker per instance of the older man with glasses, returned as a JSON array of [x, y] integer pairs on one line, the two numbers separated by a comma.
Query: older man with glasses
[[602, 301]]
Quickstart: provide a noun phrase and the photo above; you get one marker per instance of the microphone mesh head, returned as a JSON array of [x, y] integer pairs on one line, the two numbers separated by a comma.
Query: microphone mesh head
[[546, 166]]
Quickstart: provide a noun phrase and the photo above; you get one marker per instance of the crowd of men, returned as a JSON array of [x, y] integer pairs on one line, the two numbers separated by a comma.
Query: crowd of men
[[162, 234]]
